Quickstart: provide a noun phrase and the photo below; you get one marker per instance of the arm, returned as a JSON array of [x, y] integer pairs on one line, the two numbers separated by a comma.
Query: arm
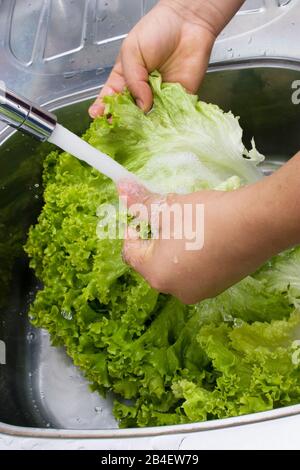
[[242, 228], [176, 37], [210, 14]]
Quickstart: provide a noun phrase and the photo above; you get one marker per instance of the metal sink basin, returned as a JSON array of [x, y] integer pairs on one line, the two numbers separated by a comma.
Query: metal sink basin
[[42, 393]]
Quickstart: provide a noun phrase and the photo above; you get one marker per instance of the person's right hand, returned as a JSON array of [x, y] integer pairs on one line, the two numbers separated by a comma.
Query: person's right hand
[[172, 38], [240, 231]]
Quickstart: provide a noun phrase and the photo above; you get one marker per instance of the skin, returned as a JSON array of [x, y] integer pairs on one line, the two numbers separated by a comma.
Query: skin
[[242, 228]]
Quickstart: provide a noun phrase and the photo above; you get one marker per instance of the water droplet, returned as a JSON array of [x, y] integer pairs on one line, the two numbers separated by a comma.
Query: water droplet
[[67, 315], [30, 337], [102, 17], [48, 425], [230, 52], [36, 185], [68, 75], [98, 409], [237, 323], [227, 317]]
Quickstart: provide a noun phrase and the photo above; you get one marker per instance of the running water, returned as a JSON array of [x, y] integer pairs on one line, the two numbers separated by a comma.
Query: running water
[[72, 144]]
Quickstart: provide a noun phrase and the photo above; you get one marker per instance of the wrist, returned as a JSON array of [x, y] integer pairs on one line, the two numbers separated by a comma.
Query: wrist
[[213, 15], [283, 197], [274, 209]]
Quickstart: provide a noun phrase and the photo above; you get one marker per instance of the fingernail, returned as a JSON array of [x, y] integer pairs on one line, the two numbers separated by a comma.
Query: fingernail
[[95, 110], [140, 103]]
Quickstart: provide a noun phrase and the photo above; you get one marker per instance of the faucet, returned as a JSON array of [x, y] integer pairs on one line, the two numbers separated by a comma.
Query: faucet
[[25, 116], [31, 119]]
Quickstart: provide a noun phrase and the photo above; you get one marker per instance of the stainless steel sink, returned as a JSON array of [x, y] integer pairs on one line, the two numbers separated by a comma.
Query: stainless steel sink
[[41, 393], [58, 52]]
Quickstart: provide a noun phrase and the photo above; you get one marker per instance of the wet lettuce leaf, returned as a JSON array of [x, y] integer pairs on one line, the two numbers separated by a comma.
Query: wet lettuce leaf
[[167, 363]]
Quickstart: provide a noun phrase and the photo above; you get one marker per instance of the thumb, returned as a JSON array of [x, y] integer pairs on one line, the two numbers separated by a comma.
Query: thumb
[[136, 251], [136, 74]]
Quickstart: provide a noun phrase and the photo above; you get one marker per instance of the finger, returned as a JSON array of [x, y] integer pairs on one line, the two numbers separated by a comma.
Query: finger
[[114, 84], [136, 74], [140, 202], [132, 191], [136, 252], [190, 76], [190, 70]]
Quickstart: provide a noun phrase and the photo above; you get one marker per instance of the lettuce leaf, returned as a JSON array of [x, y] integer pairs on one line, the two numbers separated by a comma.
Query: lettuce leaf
[[167, 363], [182, 145], [254, 370]]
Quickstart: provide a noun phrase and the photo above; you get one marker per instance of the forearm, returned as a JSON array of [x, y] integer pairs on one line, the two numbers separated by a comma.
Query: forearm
[[213, 14], [275, 209]]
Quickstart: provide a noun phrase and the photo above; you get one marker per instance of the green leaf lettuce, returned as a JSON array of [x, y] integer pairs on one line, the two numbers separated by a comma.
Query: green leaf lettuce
[[167, 363]]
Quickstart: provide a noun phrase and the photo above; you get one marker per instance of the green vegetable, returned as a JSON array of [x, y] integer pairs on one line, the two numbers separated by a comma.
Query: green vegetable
[[182, 145], [226, 356], [254, 369]]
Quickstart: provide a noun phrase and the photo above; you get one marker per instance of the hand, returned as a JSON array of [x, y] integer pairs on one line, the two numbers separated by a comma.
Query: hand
[[175, 37], [242, 230], [176, 42]]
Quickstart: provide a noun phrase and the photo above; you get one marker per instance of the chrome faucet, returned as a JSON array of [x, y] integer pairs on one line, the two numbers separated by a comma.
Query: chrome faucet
[[25, 116]]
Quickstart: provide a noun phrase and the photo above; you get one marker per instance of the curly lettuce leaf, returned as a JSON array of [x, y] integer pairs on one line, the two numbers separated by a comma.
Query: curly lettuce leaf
[[283, 274], [254, 370], [182, 145], [166, 363]]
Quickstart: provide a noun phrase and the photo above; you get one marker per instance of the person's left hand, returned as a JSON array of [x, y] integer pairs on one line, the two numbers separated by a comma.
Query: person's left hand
[[171, 38]]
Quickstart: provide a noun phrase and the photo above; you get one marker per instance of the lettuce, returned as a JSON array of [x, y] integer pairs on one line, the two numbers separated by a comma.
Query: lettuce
[[166, 363], [253, 370], [182, 145]]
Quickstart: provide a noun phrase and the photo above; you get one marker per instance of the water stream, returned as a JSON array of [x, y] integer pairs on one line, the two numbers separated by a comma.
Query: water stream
[[74, 145]]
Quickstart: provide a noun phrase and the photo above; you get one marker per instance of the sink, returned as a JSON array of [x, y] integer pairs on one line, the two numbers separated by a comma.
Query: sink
[[42, 393]]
